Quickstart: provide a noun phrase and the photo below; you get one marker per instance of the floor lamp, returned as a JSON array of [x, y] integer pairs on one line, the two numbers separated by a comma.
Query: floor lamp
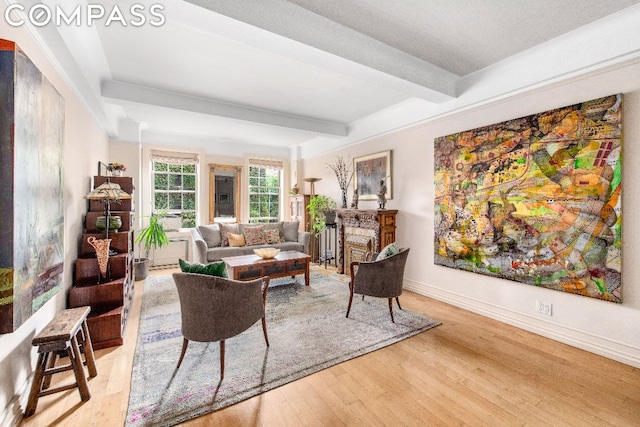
[[312, 181]]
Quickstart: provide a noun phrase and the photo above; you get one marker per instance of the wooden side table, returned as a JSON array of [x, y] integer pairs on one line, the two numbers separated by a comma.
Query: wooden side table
[[66, 332]]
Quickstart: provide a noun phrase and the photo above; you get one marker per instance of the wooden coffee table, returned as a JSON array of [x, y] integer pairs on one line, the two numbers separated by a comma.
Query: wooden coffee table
[[249, 267]]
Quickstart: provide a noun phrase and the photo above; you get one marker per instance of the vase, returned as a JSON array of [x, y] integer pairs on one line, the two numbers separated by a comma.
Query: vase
[[344, 199], [116, 173], [102, 253]]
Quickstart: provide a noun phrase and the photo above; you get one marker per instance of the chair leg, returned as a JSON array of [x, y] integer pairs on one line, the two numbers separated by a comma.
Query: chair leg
[[89, 356], [398, 301], [51, 362], [221, 359], [264, 329], [76, 361], [391, 310], [185, 343], [350, 300], [36, 385]]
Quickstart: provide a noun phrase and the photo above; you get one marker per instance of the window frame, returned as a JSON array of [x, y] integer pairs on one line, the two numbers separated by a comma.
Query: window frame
[[192, 222], [278, 194]]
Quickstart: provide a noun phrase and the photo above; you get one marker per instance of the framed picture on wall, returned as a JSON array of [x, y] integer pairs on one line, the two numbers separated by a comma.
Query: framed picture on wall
[[224, 197], [102, 169], [369, 171]]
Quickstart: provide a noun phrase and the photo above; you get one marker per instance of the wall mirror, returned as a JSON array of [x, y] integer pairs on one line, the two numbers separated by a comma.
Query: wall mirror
[[224, 193]]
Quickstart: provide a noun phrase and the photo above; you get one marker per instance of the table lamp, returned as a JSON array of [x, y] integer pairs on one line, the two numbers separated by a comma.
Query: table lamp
[[107, 193]]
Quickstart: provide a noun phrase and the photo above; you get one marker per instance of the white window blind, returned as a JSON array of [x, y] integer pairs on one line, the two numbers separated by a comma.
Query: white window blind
[[266, 163], [174, 157]]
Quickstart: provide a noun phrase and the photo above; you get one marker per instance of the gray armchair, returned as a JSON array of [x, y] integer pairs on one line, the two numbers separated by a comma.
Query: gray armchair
[[379, 279], [215, 308]]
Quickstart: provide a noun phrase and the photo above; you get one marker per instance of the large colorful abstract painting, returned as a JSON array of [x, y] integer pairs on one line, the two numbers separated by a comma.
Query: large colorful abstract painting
[[536, 199], [31, 188]]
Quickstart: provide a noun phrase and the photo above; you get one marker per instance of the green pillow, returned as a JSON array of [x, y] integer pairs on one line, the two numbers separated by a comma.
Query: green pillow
[[217, 268]]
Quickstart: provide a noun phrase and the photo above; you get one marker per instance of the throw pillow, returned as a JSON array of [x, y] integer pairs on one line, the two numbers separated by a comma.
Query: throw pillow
[[217, 268], [236, 240], [225, 229], [210, 234], [254, 235], [291, 231], [275, 226], [387, 251], [273, 236]]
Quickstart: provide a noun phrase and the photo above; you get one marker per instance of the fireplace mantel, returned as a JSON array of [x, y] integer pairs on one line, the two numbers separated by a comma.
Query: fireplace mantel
[[360, 230]]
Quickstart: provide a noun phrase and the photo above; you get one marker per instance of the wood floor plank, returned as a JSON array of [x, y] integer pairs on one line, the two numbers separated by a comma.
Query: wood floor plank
[[365, 415], [333, 381], [439, 388], [471, 370]]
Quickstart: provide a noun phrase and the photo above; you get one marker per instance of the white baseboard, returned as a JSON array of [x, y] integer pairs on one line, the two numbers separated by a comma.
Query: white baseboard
[[599, 345], [12, 414]]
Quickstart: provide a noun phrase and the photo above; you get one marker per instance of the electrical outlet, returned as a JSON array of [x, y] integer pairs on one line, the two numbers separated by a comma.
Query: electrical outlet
[[543, 308]]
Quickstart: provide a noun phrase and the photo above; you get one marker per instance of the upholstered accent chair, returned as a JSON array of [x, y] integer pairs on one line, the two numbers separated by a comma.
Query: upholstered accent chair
[[381, 278], [215, 309]]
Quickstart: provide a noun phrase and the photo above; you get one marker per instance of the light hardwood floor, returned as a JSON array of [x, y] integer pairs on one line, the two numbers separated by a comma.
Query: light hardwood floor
[[471, 370]]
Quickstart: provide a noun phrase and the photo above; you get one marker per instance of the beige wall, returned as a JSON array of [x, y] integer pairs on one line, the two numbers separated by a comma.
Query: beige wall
[[598, 326], [128, 153], [85, 145]]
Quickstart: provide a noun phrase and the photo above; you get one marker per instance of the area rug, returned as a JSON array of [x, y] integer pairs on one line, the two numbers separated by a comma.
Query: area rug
[[307, 330]]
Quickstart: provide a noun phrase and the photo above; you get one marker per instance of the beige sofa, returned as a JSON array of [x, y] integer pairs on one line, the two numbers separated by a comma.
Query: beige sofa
[[207, 241]]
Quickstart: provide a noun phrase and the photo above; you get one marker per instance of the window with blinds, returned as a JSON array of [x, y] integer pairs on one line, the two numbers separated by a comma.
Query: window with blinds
[[175, 185], [265, 177]]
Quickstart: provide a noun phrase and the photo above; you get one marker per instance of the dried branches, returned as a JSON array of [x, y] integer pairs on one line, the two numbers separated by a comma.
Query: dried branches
[[343, 170]]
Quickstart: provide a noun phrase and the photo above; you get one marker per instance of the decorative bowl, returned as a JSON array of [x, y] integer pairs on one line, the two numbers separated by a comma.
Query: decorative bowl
[[266, 252], [115, 222]]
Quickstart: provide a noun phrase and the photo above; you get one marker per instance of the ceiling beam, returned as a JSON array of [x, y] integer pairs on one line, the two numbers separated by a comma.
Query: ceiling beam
[[288, 29], [122, 91]]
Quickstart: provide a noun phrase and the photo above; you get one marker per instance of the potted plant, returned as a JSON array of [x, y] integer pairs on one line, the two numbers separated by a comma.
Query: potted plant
[[116, 169], [319, 207], [150, 237]]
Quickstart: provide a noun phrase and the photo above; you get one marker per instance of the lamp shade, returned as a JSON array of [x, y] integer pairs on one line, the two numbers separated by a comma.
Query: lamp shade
[[108, 191], [312, 181]]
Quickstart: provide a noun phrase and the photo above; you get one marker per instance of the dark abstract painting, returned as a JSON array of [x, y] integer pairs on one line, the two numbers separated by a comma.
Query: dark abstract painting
[[31, 188]]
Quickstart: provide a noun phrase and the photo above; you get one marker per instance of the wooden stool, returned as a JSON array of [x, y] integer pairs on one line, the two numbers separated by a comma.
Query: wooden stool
[[64, 333]]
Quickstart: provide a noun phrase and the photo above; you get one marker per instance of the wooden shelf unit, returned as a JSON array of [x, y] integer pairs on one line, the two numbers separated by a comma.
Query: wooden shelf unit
[[110, 298], [298, 208]]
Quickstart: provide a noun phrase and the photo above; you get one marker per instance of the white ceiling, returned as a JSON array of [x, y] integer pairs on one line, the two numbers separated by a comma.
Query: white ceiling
[[300, 77]]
